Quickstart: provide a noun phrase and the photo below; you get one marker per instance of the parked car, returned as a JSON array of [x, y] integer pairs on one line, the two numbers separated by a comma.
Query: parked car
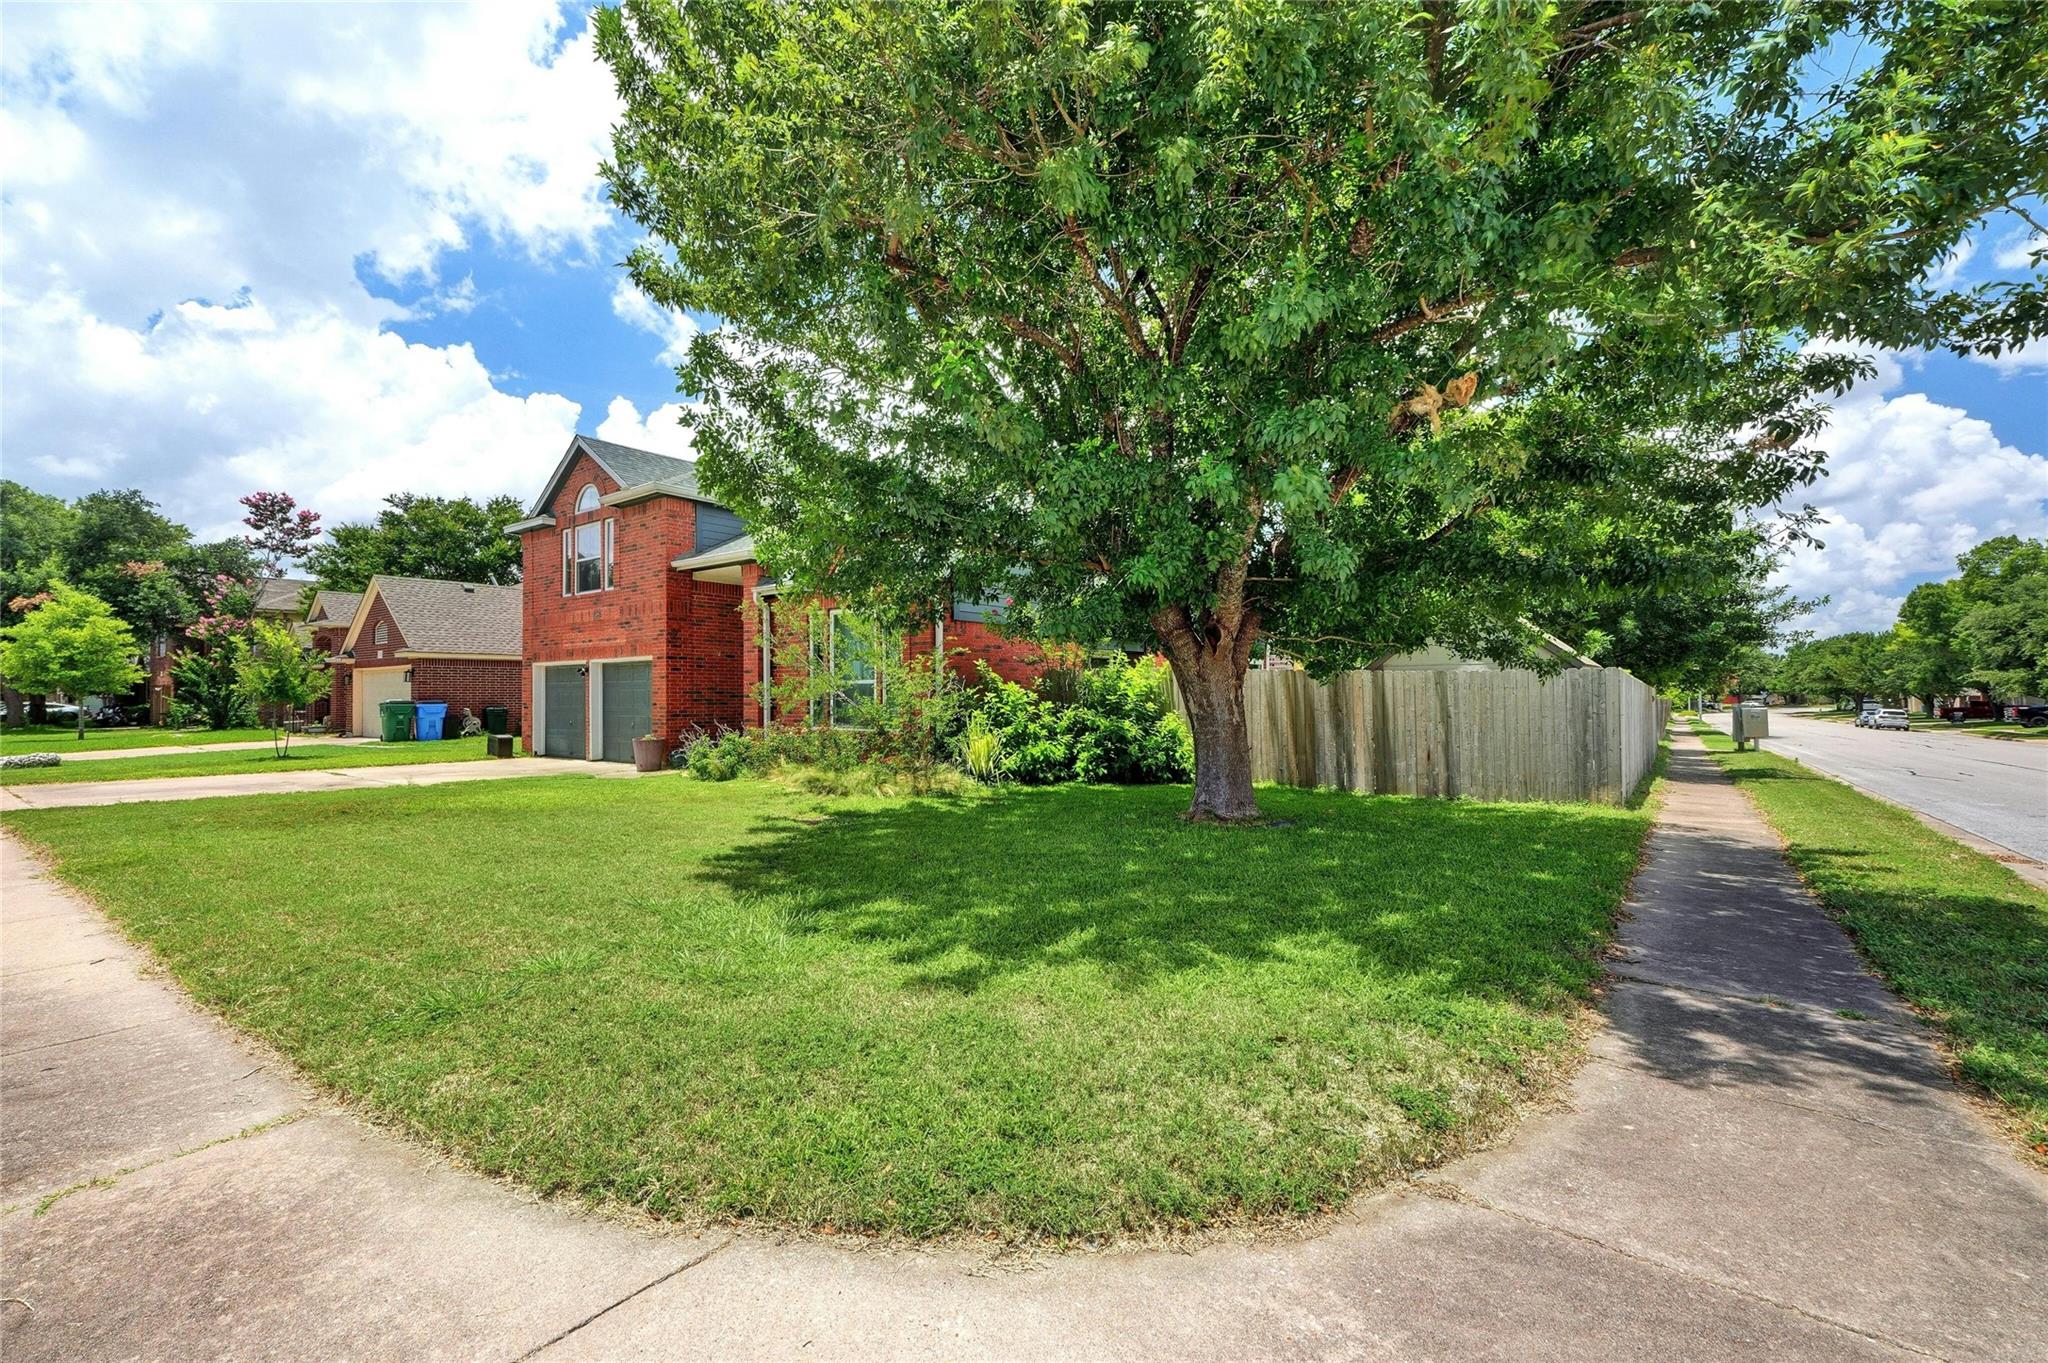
[[1890, 719], [1973, 707], [2032, 716], [1867, 712]]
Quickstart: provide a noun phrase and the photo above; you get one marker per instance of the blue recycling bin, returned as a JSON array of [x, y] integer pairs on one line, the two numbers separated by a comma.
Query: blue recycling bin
[[427, 718]]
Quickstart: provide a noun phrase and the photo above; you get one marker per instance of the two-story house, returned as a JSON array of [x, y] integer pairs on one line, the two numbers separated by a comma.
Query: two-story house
[[645, 610]]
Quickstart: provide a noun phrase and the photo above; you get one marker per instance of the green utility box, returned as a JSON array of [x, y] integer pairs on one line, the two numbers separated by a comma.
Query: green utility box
[[497, 719], [396, 716]]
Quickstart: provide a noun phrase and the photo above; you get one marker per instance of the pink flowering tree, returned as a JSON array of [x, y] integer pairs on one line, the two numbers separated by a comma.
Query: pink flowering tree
[[281, 530]]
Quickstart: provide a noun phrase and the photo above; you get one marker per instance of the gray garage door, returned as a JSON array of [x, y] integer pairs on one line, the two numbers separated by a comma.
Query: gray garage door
[[628, 707], [563, 711]]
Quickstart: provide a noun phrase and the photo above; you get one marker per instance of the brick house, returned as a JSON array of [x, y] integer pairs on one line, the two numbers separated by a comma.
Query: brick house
[[413, 638], [645, 610]]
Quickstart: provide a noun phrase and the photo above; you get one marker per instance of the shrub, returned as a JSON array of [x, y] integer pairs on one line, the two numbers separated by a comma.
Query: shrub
[[1119, 726], [981, 750]]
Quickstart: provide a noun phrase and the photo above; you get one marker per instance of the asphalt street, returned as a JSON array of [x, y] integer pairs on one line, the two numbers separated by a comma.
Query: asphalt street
[[1997, 790]]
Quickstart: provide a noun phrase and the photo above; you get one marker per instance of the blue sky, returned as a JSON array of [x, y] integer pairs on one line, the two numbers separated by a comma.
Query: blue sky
[[353, 250]]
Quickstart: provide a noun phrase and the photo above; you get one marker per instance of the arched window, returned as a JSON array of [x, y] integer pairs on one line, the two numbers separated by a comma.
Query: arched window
[[586, 500], [383, 632]]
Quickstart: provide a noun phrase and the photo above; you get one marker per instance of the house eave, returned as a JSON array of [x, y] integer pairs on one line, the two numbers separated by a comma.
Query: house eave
[[530, 523], [641, 492]]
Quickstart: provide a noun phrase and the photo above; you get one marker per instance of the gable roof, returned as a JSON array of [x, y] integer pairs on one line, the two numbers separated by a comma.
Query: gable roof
[[279, 595], [334, 608], [628, 467], [445, 617]]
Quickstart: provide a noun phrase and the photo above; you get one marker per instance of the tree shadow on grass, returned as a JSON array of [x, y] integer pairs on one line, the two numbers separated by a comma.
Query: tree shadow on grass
[[1495, 901]]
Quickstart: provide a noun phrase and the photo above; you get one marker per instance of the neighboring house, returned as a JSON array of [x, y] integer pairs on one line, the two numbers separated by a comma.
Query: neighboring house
[[275, 598], [327, 622], [646, 611], [1437, 658], [412, 638]]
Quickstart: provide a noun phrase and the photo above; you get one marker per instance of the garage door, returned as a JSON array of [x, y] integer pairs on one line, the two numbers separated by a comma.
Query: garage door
[[628, 707], [375, 684], [562, 706]]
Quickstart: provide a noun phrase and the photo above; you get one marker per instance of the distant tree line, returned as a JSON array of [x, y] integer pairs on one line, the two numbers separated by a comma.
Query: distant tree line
[[1986, 627]]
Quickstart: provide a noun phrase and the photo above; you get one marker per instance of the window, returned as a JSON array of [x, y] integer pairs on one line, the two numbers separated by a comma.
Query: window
[[587, 558], [383, 632], [853, 668], [586, 500]]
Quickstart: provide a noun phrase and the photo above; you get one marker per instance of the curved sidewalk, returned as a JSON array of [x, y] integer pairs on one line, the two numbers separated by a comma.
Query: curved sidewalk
[[1763, 1159]]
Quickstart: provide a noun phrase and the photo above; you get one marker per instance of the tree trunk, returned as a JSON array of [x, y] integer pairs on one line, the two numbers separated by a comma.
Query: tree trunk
[[17, 707], [1213, 689], [81, 723], [1210, 656]]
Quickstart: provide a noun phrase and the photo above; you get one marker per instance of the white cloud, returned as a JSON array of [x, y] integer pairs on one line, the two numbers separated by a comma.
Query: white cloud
[[196, 196], [2022, 359], [675, 329], [1911, 484], [2017, 251], [1950, 266], [661, 432], [213, 400]]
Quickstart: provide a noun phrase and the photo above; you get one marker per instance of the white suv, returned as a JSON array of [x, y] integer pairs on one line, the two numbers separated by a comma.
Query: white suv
[[1890, 719]]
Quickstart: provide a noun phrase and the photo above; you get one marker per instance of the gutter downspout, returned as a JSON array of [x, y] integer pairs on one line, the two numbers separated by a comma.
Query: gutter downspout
[[767, 673]]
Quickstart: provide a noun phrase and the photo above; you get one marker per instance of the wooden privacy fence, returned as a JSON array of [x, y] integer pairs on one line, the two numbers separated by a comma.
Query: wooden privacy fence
[[1588, 734]]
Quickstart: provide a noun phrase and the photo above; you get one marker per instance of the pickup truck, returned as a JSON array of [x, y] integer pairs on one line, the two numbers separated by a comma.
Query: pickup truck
[[2032, 716]]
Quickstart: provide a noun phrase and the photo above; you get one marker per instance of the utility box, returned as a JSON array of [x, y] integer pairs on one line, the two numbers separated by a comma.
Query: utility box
[[501, 745], [1751, 722]]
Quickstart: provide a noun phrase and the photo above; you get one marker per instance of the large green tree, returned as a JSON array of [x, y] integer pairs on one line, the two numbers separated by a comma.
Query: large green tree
[[72, 643], [2002, 633], [450, 538], [1341, 325]]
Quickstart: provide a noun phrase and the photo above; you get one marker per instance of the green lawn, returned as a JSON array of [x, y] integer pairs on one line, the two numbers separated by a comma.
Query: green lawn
[[302, 757], [1955, 932], [62, 738], [1039, 1013]]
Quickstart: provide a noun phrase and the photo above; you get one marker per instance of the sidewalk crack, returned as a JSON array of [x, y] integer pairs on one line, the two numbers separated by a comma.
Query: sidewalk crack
[[1454, 1192], [49, 1200], [601, 1312]]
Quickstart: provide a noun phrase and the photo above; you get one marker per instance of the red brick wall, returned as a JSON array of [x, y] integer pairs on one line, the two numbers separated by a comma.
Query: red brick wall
[[471, 683], [690, 629], [370, 653]]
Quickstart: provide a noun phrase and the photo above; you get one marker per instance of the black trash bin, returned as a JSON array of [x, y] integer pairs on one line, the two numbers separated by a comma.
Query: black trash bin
[[497, 719]]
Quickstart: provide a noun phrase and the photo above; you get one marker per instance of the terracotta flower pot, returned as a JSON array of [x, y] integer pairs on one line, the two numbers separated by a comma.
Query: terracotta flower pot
[[648, 754]]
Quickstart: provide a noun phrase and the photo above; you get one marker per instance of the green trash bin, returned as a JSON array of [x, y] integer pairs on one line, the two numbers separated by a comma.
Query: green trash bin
[[397, 720], [497, 719]]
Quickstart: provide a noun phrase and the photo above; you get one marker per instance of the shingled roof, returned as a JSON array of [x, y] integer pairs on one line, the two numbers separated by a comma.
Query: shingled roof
[[334, 608], [629, 467], [280, 595], [446, 617]]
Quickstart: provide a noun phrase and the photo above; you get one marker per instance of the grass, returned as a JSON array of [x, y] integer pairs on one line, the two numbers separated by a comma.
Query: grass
[[306, 757], [1953, 931], [1028, 1015], [63, 738]]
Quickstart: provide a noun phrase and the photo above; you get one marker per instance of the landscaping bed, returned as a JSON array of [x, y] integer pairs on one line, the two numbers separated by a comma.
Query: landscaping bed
[[1053, 1013], [1953, 931], [302, 757]]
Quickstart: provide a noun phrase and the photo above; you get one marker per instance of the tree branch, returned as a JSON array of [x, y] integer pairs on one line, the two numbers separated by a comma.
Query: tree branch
[[1116, 302]]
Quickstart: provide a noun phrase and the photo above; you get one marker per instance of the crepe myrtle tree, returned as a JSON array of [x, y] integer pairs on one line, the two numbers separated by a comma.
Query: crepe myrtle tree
[[1343, 326]]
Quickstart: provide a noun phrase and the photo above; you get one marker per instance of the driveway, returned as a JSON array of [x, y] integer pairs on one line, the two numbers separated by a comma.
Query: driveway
[[68, 794], [1763, 1158], [1996, 790]]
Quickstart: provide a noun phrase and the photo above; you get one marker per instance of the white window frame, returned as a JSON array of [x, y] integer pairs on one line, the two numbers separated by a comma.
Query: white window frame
[[873, 681], [382, 634], [572, 560], [587, 499]]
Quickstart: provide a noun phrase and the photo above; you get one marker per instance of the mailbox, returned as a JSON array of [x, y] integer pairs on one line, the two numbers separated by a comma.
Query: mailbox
[[1751, 722]]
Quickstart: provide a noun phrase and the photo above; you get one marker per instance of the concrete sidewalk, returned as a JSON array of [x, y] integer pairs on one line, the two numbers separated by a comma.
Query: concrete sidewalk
[[169, 749], [1742, 1173], [65, 795]]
